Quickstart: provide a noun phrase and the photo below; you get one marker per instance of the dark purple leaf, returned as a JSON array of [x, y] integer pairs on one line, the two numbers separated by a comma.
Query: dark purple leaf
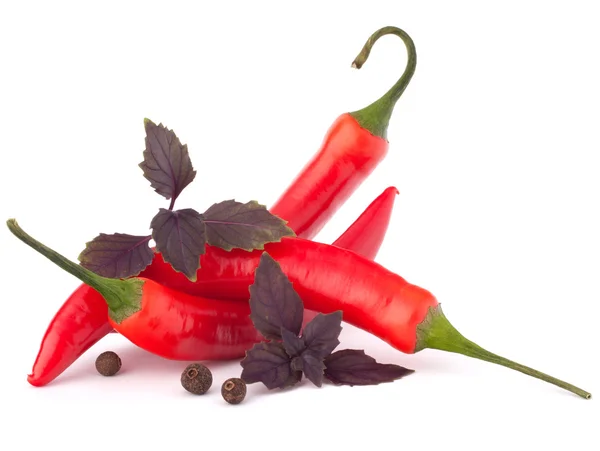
[[249, 226], [293, 344], [354, 367], [268, 363], [294, 378], [180, 238], [311, 365], [166, 164], [322, 332], [274, 305], [117, 256]]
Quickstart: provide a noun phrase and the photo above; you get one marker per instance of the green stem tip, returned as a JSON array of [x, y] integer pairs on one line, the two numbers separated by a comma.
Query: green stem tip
[[376, 116], [122, 296], [436, 332]]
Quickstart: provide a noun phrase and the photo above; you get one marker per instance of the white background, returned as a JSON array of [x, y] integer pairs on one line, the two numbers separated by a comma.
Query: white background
[[493, 147]]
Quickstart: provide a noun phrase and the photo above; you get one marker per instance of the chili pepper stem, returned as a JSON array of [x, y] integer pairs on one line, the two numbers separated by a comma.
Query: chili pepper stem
[[123, 297], [436, 332], [376, 116]]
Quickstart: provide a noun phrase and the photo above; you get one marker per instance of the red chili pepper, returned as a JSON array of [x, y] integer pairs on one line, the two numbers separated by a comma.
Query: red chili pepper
[[353, 146], [366, 234], [328, 278], [83, 319], [80, 323]]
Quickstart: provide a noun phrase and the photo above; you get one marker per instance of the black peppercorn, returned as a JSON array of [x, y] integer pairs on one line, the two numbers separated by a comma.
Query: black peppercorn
[[196, 379], [233, 390], [108, 363]]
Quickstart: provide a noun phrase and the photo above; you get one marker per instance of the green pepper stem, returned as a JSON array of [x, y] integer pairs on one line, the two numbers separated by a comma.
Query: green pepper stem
[[376, 116], [436, 332], [123, 297]]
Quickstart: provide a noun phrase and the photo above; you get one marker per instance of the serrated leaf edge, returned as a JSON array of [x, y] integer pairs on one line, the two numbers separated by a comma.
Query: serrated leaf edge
[[87, 243], [289, 230]]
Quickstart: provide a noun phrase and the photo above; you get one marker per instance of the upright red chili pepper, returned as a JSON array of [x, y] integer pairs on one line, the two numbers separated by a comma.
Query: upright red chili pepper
[[351, 149], [372, 298], [366, 234], [83, 319]]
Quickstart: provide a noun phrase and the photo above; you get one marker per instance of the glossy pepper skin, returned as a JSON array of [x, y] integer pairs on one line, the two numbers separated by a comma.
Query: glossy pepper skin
[[83, 319], [179, 326]]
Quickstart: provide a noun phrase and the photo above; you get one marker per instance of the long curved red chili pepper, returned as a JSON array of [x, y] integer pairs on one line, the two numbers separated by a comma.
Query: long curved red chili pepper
[[372, 298], [351, 149], [83, 319]]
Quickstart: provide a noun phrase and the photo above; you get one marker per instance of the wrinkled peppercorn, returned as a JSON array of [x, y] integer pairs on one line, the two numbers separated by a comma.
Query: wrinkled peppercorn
[[233, 390], [196, 379], [108, 363]]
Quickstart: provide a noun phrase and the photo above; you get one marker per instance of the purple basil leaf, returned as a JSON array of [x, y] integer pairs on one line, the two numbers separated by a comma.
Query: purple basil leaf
[[249, 226], [268, 363], [166, 164], [311, 365], [294, 378], [180, 238], [293, 344], [274, 305], [322, 332], [354, 367], [117, 256]]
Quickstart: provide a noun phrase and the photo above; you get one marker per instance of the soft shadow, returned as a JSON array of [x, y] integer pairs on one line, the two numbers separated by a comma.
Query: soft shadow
[[137, 360], [134, 360]]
